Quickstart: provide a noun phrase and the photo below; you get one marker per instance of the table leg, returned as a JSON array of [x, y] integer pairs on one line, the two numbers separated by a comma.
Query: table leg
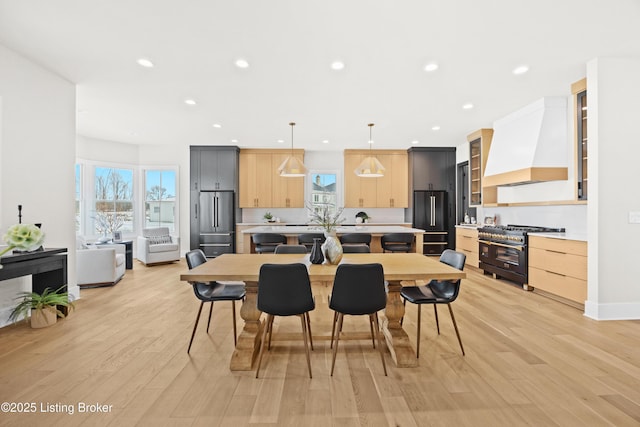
[[397, 339], [249, 340]]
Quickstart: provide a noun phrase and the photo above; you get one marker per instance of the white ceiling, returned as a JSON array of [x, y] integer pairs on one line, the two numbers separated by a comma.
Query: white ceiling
[[290, 46]]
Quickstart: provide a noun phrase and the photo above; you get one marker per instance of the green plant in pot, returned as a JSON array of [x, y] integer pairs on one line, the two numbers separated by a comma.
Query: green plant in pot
[[267, 216], [43, 307]]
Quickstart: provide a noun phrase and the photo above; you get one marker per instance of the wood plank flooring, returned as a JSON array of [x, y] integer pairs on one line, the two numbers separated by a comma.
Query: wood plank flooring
[[530, 361]]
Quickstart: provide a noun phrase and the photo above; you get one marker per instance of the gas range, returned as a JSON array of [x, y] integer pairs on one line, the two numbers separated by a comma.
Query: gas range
[[512, 234]]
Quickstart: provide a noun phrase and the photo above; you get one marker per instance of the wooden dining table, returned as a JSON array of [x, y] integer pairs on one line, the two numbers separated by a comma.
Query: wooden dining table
[[399, 269]]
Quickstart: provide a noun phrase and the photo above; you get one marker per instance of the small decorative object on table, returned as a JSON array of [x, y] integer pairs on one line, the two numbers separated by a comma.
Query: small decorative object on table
[[117, 236], [329, 219], [107, 223], [316, 256], [362, 217], [24, 237]]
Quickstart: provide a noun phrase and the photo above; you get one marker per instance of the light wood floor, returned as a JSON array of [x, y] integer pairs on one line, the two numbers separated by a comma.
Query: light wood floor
[[529, 361]]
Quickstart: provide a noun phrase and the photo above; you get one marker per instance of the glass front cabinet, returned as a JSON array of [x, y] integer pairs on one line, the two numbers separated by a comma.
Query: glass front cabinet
[[579, 90]]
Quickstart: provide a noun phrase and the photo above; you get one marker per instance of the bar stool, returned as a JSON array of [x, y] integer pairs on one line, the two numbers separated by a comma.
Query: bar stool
[[267, 242], [396, 242]]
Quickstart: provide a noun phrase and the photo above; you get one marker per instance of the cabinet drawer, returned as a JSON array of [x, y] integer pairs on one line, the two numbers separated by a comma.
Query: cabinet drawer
[[472, 257], [559, 262], [468, 243], [467, 232], [564, 286], [440, 236], [575, 247]]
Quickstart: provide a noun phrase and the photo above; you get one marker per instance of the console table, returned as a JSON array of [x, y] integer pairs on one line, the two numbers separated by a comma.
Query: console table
[[47, 267]]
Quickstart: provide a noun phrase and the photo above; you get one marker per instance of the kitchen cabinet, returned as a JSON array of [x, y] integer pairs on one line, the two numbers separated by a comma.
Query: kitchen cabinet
[[467, 243], [260, 184], [558, 268], [479, 144], [390, 190], [579, 91], [434, 168]]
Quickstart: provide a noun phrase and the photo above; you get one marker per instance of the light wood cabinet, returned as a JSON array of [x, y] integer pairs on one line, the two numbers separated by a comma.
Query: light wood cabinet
[[479, 144], [389, 191], [260, 184], [559, 267], [467, 243]]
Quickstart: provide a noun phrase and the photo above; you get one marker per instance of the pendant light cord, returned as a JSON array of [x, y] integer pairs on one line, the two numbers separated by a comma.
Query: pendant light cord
[[292, 124]]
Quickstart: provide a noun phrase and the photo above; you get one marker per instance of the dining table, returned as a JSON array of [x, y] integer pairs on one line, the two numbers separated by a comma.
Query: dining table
[[400, 269]]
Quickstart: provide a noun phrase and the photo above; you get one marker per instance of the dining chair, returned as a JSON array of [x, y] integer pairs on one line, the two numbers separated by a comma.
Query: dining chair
[[285, 290], [355, 239], [291, 249], [437, 292], [212, 292], [358, 289], [307, 239], [356, 249], [396, 242], [267, 242]]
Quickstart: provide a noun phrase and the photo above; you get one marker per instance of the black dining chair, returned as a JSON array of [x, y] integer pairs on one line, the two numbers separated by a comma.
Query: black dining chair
[[285, 290], [396, 242], [356, 249], [355, 239], [290, 249], [437, 292], [307, 239], [212, 292], [267, 242], [358, 289]]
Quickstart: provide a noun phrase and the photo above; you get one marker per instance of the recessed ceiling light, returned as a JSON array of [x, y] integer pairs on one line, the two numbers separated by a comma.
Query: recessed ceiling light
[[190, 101], [145, 62], [468, 106], [415, 142], [234, 141], [432, 66], [217, 125], [242, 63], [281, 141], [435, 128], [337, 65], [521, 69], [325, 141]]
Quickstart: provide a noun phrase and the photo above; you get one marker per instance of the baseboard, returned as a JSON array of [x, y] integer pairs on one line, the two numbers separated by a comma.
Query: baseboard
[[614, 311]]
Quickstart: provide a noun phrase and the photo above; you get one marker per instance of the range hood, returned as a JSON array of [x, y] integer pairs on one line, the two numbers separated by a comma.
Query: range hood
[[529, 145]]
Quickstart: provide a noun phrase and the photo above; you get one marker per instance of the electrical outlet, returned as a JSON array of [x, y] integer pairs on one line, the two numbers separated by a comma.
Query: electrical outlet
[[634, 217]]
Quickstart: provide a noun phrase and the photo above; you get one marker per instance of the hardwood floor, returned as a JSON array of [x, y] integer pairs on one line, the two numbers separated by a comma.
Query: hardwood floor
[[529, 361]]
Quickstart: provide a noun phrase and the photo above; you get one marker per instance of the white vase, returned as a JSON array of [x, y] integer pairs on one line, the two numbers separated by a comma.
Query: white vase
[[332, 248]]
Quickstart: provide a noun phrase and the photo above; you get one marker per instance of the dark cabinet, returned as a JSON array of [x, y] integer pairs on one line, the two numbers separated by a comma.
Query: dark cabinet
[[211, 169], [434, 168]]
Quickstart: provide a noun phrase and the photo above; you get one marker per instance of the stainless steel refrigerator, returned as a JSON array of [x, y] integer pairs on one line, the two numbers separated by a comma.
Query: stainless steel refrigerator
[[215, 214], [430, 214]]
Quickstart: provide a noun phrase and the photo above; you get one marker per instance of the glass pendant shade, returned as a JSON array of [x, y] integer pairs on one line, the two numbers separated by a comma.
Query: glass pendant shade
[[370, 167], [292, 167]]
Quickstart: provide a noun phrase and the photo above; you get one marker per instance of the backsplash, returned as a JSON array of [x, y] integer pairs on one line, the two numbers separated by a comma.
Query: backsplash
[[571, 217], [300, 215]]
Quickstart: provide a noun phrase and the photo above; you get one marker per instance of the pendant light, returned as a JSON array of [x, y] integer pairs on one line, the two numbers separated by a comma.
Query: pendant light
[[370, 167], [292, 167]]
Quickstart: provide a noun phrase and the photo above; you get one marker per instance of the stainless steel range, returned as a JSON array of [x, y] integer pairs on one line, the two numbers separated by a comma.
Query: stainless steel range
[[503, 250]]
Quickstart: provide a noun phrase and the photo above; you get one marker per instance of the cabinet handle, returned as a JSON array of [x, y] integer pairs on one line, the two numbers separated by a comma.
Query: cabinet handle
[[557, 274]]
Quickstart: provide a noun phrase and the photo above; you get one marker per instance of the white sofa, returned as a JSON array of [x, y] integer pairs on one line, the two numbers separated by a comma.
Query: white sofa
[[100, 265], [156, 245]]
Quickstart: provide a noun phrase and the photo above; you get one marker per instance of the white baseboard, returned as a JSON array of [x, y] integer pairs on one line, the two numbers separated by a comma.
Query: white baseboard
[[615, 311]]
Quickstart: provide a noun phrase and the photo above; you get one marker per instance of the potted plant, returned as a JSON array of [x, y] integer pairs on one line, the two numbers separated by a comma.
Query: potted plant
[[43, 307], [268, 217]]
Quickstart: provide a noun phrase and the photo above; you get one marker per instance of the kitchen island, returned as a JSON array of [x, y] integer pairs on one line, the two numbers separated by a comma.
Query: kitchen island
[[292, 232]]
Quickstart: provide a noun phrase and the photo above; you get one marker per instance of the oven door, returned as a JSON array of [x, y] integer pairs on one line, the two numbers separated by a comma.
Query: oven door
[[511, 258]]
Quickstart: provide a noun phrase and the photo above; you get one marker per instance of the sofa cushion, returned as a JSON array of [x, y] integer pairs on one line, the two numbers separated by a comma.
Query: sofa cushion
[[163, 247]]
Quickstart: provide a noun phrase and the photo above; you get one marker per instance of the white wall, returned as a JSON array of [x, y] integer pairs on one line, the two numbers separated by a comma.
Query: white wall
[[614, 244], [37, 153]]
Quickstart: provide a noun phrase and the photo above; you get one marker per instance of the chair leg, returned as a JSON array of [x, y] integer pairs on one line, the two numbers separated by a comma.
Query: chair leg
[[333, 327], [309, 329], [419, 323], [335, 349], [305, 332], [264, 336], [455, 326], [209, 321], [270, 332], [374, 318], [235, 332], [435, 311], [193, 334], [373, 338]]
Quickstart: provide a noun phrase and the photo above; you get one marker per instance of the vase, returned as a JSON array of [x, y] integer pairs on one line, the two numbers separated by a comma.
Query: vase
[[332, 248], [316, 256]]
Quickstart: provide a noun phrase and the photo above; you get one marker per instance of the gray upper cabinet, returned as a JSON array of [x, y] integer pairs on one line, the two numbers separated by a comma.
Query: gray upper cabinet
[[217, 168]]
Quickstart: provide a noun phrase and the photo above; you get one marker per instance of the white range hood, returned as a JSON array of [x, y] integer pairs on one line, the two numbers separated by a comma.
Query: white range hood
[[529, 145]]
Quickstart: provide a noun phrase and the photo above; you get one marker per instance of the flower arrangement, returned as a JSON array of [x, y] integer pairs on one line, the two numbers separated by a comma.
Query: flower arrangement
[[326, 216], [25, 237]]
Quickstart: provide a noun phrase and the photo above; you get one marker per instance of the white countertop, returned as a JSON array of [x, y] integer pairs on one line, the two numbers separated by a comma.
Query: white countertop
[[369, 228], [565, 236]]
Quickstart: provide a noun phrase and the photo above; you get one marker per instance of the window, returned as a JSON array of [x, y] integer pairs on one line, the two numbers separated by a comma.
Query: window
[[113, 199], [323, 190], [160, 199]]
